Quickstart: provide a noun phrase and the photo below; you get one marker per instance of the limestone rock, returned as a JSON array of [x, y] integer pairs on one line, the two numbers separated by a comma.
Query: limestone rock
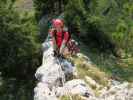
[[75, 87]]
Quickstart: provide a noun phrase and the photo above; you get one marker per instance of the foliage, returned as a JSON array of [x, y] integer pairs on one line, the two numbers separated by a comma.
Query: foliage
[[71, 97], [49, 7], [19, 48], [104, 66], [106, 25], [103, 24], [12, 89]]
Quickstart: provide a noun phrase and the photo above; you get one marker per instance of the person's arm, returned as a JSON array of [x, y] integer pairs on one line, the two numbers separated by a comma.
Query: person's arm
[[63, 45], [54, 43], [53, 39]]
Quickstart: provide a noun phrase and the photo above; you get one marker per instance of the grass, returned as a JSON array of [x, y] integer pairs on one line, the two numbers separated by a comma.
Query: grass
[[108, 66], [102, 68], [90, 70], [73, 97], [115, 68], [86, 67]]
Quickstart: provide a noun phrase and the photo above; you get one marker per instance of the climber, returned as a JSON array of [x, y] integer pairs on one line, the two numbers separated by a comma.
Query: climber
[[59, 36], [62, 42]]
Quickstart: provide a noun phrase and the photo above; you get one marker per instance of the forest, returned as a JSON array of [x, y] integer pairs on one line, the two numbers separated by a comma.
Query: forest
[[105, 30]]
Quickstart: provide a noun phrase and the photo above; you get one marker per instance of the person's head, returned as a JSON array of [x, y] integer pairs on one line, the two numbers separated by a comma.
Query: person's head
[[58, 24]]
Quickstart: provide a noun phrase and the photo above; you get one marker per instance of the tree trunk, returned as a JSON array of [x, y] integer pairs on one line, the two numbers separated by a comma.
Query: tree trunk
[[60, 6]]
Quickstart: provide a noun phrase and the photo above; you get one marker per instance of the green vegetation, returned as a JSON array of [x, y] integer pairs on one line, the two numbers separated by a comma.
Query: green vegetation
[[106, 25], [117, 68], [75, 97], [18, 41], [104, 66], [12, 89], [106, 36], [19, 52]]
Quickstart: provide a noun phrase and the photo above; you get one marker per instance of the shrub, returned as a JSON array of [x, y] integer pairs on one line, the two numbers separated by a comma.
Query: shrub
[[19, 47]]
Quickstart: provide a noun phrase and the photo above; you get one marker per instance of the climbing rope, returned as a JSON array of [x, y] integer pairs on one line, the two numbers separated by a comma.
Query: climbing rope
[[60, 60]]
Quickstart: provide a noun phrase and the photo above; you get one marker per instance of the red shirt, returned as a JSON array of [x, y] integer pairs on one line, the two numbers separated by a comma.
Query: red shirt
[[59, 39]]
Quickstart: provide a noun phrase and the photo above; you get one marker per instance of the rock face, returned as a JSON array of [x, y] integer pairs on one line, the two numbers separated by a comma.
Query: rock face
[[53, 82], [123, 91], [75, 87], [52, 76]]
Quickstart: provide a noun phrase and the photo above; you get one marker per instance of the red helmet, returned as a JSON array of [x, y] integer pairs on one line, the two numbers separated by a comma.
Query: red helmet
[[58, 22]]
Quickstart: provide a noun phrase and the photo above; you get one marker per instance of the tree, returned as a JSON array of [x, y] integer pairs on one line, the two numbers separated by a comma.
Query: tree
[[49, 7], [19, 49], [104, 24]]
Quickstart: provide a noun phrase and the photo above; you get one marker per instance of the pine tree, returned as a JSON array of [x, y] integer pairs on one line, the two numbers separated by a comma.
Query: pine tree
[[18, 41]]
